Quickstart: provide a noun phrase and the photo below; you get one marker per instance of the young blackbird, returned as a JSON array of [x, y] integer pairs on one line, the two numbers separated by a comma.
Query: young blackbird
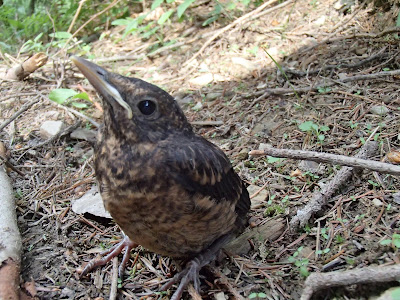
[[169, 189]]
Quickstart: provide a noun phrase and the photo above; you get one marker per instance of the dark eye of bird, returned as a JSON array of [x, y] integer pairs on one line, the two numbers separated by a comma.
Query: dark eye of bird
[[147, 107]]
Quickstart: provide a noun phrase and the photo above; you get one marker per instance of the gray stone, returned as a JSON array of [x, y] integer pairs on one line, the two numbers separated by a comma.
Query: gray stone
[[379, 110], [213, 96], [91, 203], [260, 198], [51, 128], [84, 134], [396, 198]]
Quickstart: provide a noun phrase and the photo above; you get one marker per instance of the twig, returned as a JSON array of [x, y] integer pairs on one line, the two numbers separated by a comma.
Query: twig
[[323, 84], [334, 159], [207, 123], [380, 55], [53, 138], [353, 36], [8, 164], [320, 198], [78, 10], [226, 28], [111, 5], [23, 108], [318, 281], [114, 279]]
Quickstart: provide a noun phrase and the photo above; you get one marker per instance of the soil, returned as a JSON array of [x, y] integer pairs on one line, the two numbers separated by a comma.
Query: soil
[[315, 46]]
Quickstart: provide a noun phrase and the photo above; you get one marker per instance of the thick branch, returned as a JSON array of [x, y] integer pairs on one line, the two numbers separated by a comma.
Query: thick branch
[[318, 281]]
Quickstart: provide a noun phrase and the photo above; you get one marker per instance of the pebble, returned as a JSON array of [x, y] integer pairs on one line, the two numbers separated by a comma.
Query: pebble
[[377, 202], [51, 128], [379, 110]]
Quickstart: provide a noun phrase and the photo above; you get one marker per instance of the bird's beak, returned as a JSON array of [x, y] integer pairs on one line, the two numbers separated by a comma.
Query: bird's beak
[[97, 77]]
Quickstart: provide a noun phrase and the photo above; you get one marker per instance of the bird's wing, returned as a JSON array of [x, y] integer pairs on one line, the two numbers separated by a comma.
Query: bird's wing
[[201, 167]]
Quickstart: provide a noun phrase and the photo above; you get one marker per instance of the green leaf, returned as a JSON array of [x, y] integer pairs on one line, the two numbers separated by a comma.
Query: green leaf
[[165, 16], [321, 137], [306, 126], [262, 295], [183, 7], [83, 96], [271, 159], [304, 271], [396, 240], [119, 22], [156, 4], [61, 95], [210, 20], [61, 35], [79, 105], [385, 242], [253, 295], [324, 128]]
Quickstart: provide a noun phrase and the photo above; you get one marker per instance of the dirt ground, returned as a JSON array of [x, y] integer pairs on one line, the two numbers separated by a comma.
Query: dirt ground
[[254, 100]]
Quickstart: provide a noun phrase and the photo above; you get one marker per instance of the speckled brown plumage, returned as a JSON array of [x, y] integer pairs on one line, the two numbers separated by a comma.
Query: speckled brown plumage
[[169, 190]]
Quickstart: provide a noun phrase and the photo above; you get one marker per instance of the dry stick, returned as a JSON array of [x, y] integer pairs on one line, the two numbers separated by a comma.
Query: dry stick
[[226, 28], [111, 5], [360, 35], [315, 87], [114, 279], [318, 281], [78, 10], [381, 54], [334, 159], [23, 108], [320, 198], [9, 165]]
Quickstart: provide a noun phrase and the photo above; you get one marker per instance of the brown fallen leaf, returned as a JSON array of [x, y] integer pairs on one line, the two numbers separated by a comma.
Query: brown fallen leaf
[[394, 157]]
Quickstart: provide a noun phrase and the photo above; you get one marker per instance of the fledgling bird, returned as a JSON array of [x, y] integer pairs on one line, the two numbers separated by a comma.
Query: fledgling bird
[[169, 189]]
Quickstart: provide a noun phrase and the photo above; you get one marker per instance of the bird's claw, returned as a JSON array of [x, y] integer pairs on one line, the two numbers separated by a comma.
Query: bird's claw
[[126, 244], [189, 274]]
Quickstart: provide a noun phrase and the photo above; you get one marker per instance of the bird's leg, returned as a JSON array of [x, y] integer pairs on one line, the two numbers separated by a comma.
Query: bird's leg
[[126, 244], [191, 271]]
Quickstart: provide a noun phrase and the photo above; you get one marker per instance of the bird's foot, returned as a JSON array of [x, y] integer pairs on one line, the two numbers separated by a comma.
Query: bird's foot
[[186, 276], [126, 244]]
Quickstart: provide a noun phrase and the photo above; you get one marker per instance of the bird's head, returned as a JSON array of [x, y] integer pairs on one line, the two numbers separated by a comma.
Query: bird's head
[[133, 108]]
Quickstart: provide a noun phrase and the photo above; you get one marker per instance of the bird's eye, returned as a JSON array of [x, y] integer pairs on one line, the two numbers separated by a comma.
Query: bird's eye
[[147, 107]]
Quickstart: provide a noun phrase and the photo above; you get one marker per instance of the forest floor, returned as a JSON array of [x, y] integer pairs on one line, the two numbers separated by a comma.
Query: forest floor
[[235, 95]]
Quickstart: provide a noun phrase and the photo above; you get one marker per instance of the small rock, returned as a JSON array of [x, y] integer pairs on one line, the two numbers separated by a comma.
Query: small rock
[[243, 154], [67, 293], [305, 252], [264, 146], [220, 296], [84, 134], [213, 96], [91, 203], [247, 64], [202, 79], [342, 76], [259, 199], [396, 198], [360, 51], [377, 202], [320, 20], [309, 166], [51, 128], [198, 106], [379, 110]]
